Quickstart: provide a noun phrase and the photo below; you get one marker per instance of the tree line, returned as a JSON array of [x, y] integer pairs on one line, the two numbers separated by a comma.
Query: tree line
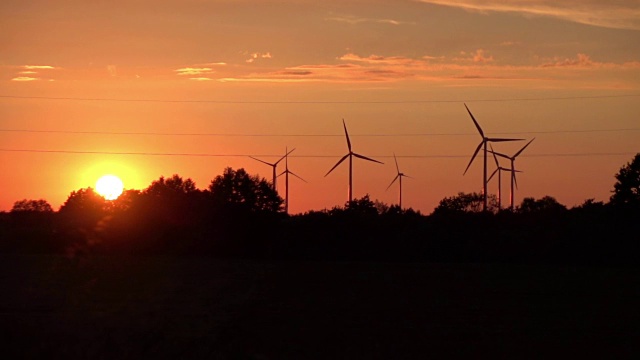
[[241, 215]]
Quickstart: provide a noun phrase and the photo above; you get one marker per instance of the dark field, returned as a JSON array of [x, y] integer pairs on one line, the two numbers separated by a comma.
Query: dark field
[[161, 307]]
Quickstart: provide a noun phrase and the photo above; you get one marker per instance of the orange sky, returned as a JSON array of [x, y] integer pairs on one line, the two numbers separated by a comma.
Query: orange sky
[[294, 69]]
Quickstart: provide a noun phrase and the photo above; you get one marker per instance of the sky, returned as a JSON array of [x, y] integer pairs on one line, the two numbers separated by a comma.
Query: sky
[[143, 89]]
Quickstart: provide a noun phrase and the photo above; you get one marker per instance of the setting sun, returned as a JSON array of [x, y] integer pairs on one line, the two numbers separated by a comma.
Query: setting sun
[[109, 186]]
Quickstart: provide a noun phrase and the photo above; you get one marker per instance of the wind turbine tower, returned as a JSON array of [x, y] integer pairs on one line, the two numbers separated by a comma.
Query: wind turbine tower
[[398, 177], [482, 144], [273, 166], [350, 155], [286, 173], [513, 170]]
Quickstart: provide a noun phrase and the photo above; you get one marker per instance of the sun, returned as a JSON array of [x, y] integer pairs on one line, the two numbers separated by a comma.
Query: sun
[[109, 186]]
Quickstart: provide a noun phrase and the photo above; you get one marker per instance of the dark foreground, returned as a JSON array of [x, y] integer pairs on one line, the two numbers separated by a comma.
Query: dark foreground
[[161, 307]]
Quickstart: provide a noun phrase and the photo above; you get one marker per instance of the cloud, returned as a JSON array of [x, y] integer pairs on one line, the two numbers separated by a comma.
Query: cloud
[[254, 56], [584, 61], [28, 72], [24, 78], [38, 67], [477, 68], [478, 57], [354, 20], [200, 79], [621, 14], [194, 71]]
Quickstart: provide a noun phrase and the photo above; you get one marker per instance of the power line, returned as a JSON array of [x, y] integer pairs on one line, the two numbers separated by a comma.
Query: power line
[[298, 156], [303, 135], [301, 102]]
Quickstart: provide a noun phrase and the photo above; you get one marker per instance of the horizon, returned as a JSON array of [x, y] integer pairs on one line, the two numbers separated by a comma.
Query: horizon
[[193, 87]]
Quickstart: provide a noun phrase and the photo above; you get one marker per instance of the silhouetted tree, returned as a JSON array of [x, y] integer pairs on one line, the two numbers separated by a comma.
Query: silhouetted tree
[[466, 203], [364, 206], [83, 203], [626, 190], [25, 205], [238, 190], [175, 185], [547, 204]]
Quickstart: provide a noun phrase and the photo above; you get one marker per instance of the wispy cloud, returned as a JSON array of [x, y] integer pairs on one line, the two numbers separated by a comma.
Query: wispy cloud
[[354, 20], [194, 71], [254, 56], [200, 79], [28, 72], [38, 67], [24, 79], [621, 14], [476, 68], [583, 61], [479, 56]]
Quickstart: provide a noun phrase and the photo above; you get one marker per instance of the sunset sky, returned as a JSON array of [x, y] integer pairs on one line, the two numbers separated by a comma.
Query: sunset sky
[[142, 89]]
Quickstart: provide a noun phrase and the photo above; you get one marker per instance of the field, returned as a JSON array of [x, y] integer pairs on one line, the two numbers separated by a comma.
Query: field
[[186, 307]]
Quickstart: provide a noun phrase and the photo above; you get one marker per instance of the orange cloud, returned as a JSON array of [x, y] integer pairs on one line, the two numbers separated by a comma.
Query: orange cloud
[[38, 67], [621, 14], [254, 56], [354, 20], [24, 78], [194, 71]]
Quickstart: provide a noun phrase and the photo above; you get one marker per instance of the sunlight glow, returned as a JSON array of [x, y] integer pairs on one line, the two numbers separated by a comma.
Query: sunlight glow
[[109, 186]]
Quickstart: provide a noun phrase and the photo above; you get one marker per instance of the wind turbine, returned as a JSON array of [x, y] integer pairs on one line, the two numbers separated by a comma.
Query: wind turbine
[[274, 165], [286, 173], [499, 169], [483, 143], [513, 169], [399, 178], [350, 155]]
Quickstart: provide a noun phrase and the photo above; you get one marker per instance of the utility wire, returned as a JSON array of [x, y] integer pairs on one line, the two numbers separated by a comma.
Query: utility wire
[[316, 101], [303, 135], [298, 156]]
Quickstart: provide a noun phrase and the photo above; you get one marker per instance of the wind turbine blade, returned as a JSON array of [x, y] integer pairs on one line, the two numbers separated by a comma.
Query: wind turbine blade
[[492, 174], [346, 134], [338, 163], [515, 179], [473, 157], [474, 121], [524, 147], [502, 139], [285, 155], [262, 161], [500, 154], [396, 160], [407, 176], [282, 173], [366, 158], [394, 180], [494, 156], [297, 176]]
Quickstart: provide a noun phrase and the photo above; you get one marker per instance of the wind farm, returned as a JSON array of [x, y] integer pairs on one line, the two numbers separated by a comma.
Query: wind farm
[[175, 183]]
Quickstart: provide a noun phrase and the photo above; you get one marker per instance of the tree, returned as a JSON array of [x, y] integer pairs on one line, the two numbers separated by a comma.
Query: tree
[[626, 190], [172, 186], [83, 208], [239, 190], [469, 203], [25, 205], [547, 204]]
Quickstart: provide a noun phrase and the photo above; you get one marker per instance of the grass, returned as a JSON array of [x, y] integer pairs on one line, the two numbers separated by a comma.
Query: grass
[[164, 307]]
